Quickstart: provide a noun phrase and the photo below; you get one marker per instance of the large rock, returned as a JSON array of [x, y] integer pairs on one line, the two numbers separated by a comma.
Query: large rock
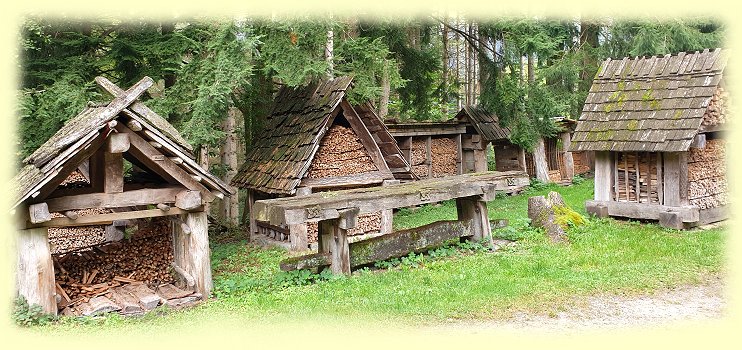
[[553, 215]]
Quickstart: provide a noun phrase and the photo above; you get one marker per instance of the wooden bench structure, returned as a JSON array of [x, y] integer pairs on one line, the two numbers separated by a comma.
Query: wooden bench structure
[[337, 211]]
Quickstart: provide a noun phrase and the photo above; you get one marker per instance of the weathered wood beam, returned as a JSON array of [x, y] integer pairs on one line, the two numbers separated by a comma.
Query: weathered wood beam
[[115, 200], [188, 200], [603, 176], [39, 213], [162, 165], [699, 141], [35, 269], [393, 245], [163, 207], [370, 178], [113, 176], [688, 213], [117, 143], [474, 211], [187, 278], [340, 251], [134, 125], [366, 139], [71, 215], [106, 219]]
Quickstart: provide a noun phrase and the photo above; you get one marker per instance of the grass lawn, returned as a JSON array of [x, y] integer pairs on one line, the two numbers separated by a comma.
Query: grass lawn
[[604, 256]]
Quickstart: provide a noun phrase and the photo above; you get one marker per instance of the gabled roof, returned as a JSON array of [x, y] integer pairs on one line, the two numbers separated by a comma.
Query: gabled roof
[[487, 124], [388, 146], [653, 104], [282, 153], [83, 134]]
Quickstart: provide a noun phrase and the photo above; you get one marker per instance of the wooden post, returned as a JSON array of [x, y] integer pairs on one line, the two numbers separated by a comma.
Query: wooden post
[[324, 236], [429, 156], [253, 227], [603, 176], [569, 163], [474, 209], [675, 181], [35, 270], [340, 248], [522, 159], [191, 251], [459, 156], [387, 215], [298, 237], [118, 143]]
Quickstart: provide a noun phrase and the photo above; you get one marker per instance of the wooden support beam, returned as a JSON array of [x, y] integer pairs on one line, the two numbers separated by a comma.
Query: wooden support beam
[[39, 213], [646, 211], [298, 237], [113, 178], [372, 149], [671, 183], [188, 200], [35, 269], [161, 165], [699, 141], [355, 180], [163, 207], [187, 278], [603, 176], [474, 211], [199, 253], [340, 250], [71, 215], [115, 200], [348, 218], [459, 156], [134, 125], [117, 143], [253, 227], [105, 219], [429, 156]]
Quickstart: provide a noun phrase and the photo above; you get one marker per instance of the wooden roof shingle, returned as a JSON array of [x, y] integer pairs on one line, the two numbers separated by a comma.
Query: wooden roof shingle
[[282, 153], [487, 124], [653, 104]]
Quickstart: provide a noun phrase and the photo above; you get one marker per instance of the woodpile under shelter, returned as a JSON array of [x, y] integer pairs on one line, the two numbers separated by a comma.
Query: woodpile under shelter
[[483, 128], [317, 141], [119, 195], [655, 125]]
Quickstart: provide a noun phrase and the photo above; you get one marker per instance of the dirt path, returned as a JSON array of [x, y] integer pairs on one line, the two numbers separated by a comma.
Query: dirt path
[[661, 309]]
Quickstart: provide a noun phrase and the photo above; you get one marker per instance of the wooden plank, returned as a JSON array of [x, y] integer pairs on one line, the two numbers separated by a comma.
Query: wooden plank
[[672, 179], [106, 219], [647, 211], [459, 156], [115, 200], [638, 176], [35, 269], [699, 141], [603, 175], [683, 178], [113, 179], [711, 215], [626, 175], [615, 178], [354, 180], [298, 237], [117, 143], [162, 165], [340, 251], [321, 206], [660, 180], [429, 156]]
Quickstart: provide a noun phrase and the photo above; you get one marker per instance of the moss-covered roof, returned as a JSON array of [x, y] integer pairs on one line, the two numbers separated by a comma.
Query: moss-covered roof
[[653, 104]]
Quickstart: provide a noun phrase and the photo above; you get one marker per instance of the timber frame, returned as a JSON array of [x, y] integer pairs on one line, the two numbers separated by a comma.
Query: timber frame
[[97, 142], [337, 213], [655, 125], [282, 154]]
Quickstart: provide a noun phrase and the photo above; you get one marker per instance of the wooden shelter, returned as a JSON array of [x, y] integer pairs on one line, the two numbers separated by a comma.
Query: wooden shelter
[[316, 141], [654, 124], [484, 127], [97, 143]]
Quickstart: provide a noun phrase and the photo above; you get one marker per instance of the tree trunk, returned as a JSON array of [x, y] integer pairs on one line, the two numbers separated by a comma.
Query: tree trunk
[[539, 161], [385, 91], [230, 205], [444, 73], [531, 67], [203, 162], [329, 47], [588, 39]]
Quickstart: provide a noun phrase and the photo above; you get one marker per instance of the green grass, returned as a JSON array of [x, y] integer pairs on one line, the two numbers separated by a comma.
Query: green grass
[[604, 256]]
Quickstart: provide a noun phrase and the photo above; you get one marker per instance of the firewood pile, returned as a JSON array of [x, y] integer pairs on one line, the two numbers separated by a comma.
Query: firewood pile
[[367, 223], [74, 179], [340, 153], [707, 187], [145, 257], [555, 176], [418, 158], [64, 239], [580, 162], [627, 170], [715, 113], [443, 153]]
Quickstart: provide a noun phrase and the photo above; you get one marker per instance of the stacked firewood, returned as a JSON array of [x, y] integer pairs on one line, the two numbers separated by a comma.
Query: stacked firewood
[[340, 153], [707, 187], [367, 223], [64, 239], [418, 158], [146, 256], [74, 179], [443, 153], [647, 171], [715, 113]]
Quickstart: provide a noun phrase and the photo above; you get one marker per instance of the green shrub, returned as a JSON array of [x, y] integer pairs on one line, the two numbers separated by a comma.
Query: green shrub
[[30, 315]]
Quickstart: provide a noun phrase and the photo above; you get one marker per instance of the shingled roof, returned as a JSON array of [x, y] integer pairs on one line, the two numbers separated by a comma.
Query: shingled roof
[[42, 169], [487, 124], [282, 153], [653, 104]]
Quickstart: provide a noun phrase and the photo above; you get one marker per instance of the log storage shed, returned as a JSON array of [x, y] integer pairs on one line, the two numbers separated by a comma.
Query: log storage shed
[[655, 124], [316, 141], [482, 128], [119, 193], [561, 163]]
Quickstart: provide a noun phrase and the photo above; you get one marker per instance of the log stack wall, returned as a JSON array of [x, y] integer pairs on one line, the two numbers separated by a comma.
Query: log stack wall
[[64, 239], [443, 156], [715, 113], [419, 158], [146, 256], [707, 187], [340, 153], [628, 166], [581, 162]]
